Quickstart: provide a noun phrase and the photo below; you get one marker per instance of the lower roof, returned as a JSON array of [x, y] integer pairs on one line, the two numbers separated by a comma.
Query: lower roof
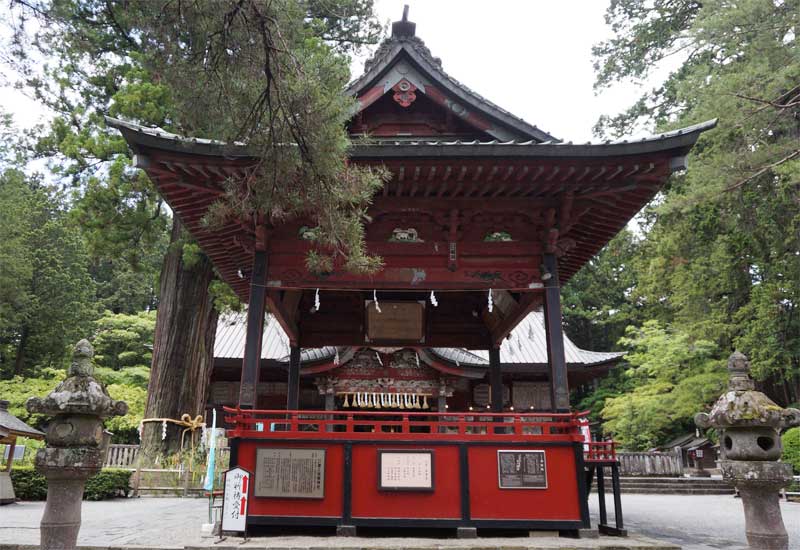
[[525, 345]]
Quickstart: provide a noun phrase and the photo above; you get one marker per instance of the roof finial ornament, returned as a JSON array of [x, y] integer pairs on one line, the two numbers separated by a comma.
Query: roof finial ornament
[[404, 28]]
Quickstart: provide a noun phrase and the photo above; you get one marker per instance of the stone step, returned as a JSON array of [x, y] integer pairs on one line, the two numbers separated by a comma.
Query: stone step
[[662, 491], [662, 484]]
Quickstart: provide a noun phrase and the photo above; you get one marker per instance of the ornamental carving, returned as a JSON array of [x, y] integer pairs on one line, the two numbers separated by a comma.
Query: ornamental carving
[[404, 93]]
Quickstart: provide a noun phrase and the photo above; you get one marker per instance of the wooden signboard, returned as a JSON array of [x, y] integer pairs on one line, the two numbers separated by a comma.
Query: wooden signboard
[[290, 473], [396, 322], [235, 499], [405, 470], [521, 470]]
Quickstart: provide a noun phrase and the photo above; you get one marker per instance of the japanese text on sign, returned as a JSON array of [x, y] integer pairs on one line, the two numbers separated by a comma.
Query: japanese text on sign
[[235, 499], [293, 473], [521, 470], [406, 470]]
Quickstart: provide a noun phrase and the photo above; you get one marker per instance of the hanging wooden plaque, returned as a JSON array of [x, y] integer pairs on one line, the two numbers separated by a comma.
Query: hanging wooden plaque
[[396, 322]]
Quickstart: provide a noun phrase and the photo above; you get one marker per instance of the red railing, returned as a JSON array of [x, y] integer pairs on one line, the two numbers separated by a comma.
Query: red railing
[[600, 451], [413, 426]]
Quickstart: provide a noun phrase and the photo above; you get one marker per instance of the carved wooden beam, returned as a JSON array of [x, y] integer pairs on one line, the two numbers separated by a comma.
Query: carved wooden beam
[[526, 304], [284, 318]]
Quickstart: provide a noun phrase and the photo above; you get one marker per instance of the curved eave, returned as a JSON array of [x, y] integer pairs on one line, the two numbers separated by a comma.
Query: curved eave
[[677, 141]]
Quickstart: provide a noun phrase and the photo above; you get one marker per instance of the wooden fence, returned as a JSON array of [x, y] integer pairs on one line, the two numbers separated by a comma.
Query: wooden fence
[[650, 464], [124, 456], [166, 480]]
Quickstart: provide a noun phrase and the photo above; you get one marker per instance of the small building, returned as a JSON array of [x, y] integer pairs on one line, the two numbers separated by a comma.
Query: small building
[[697, 453], [482, 218], [11, 428]]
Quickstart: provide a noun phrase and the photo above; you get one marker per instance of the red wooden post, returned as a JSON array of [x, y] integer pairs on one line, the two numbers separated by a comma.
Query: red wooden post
[[495, 380], [559, 385], [293, 386], [255, 329]]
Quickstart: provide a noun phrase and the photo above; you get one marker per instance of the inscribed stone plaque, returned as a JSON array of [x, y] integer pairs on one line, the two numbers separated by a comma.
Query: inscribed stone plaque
[[290, 473], [521, 470], [396, 321], [405, 470]]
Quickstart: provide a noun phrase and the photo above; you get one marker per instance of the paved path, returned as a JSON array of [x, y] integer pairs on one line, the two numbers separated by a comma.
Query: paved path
[[694, 522]]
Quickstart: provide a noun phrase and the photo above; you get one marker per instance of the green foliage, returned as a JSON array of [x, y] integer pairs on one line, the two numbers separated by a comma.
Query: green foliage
[[45, 288], [28, 483], [596, 301], [106, 484], [671, 377], [719, 255], [125, 428], [124, 341], [791, 448], [18, 389]]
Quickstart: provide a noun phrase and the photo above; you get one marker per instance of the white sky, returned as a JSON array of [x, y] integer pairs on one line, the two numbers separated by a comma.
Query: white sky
[[531, 57]]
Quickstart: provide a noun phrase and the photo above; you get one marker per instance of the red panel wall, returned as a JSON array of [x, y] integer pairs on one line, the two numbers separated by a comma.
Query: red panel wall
[[444, 502], [558, 502], [330, 506]]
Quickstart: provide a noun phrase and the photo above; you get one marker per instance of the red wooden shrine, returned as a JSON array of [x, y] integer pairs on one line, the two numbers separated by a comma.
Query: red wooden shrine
[[479, 202]]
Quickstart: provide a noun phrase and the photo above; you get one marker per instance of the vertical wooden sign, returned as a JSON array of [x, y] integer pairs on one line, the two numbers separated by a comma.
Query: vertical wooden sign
[[235, 499]]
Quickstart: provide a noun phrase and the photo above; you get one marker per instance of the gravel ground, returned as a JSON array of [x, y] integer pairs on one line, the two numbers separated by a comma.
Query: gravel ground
[[693, 522]]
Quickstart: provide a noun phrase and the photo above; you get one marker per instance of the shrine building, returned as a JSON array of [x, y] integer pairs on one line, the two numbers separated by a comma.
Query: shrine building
[[434, 393]]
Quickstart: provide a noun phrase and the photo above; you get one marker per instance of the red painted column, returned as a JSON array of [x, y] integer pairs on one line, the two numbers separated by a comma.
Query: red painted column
[[255, 331], [293, 385], [559, 385], [495, 380]]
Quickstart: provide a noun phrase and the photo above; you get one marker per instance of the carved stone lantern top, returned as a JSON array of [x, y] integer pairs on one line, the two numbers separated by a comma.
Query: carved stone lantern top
[[742, 406], [80, 393]]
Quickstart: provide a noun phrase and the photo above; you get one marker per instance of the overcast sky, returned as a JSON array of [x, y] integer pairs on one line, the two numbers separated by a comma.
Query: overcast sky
[[531, 57]]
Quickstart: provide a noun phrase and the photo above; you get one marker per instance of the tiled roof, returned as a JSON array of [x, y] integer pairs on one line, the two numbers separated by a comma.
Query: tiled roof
[[526, 345], [138, 135], [232, 330], [392, 46], [14, 426]]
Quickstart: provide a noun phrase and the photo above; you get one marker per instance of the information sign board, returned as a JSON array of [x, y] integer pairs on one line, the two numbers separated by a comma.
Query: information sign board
[[235, 499], [521, 470], [400, 470], [290, 473]]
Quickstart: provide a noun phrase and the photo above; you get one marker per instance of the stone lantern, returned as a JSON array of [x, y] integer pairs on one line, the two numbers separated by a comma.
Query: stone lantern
[[749, 425], [75, 445]]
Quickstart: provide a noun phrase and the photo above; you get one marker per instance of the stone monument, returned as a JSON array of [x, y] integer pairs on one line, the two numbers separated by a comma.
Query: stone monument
[[749, 424], [75, 442]]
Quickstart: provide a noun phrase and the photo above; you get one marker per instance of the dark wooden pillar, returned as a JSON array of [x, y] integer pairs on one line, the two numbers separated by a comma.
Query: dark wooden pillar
[[559, 385], [255, 331], [293, 387], [495, 380]]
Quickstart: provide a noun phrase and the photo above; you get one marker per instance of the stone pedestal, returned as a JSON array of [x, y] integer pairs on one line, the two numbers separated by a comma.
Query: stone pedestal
[[75, 446], [749, 425], [759, 484], [66, 471]]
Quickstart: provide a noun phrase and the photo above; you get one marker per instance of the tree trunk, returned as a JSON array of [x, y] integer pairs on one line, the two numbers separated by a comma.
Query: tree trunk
[[183, 347]]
